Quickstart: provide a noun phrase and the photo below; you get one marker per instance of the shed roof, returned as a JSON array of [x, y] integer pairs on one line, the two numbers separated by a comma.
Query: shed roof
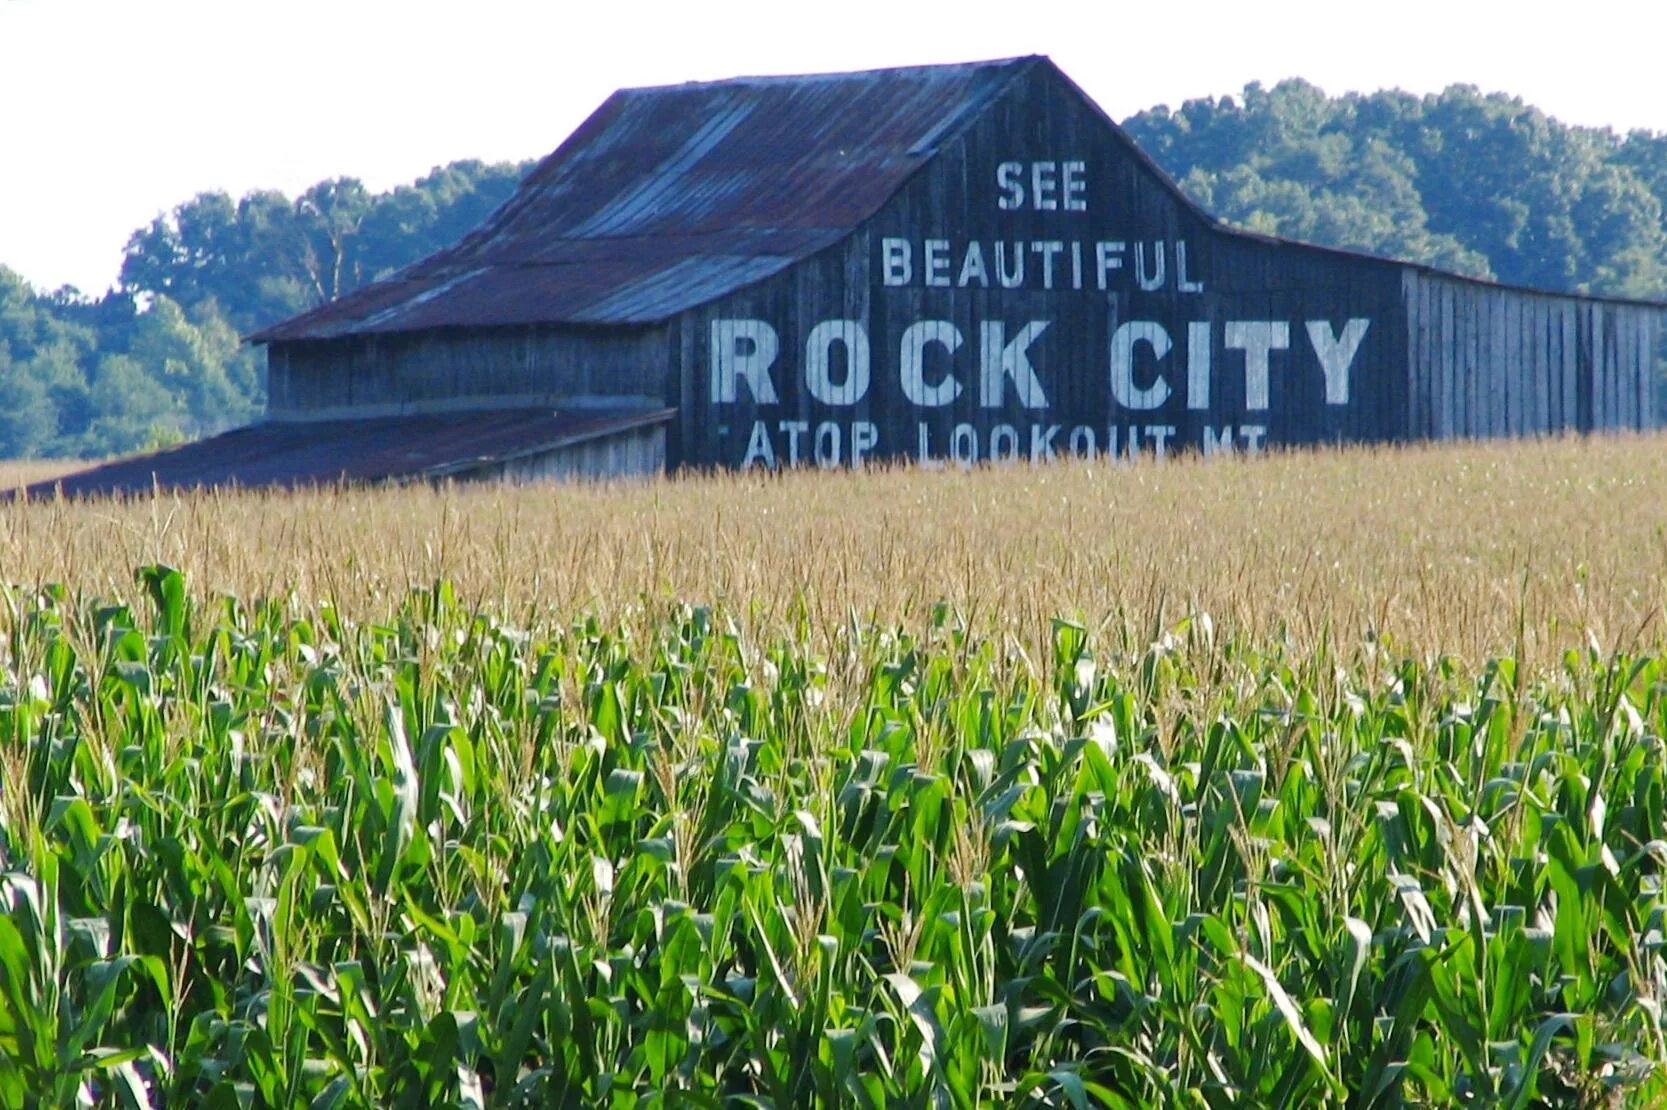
[[667, 198], [285, 454]]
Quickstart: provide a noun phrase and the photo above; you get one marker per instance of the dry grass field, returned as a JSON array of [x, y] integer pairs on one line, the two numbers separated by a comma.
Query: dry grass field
[[23, 472], [1461, 549], [793, 790]]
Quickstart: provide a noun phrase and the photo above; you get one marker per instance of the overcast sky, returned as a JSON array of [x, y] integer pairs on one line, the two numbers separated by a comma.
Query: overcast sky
[[114, 111]]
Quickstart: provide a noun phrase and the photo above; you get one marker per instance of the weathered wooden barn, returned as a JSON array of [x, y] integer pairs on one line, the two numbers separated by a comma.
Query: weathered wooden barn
[[958, 262]]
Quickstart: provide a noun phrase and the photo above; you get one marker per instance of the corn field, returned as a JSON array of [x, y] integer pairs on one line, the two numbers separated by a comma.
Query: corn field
[[343, 838]]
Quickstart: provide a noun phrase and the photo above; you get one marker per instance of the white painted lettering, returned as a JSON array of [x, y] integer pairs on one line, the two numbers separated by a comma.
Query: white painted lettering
[[963, 444], [795, 430], [1004, 442], [743, 350], [1015, 278], [1076, 264], [1149, 280], [1044, 185], [895, 261], [1000, 360], [1010, 180], [865, 436], [1041, 441], [1108, 257], [1253, 435], [1075, 184], [759, 448], [1198, 364], [827, 443], [911, 361], [1082, 441], [1048, 249], [1336, 354], [1123, 387], [935, 262], [1160, 435], [819, 362], [1218, 443], [923, 448], [972, 267], [1182, 281], [1256, 338]]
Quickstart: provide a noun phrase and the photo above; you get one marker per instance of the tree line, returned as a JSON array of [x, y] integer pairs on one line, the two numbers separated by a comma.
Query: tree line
[[1477, 183], [1481, 184], [159, 358]]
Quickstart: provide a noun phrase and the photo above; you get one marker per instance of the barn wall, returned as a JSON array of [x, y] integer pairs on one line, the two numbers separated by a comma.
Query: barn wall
[[1489, 361], [1135, 327], [637, 453], [1039, 289], [396, 373]]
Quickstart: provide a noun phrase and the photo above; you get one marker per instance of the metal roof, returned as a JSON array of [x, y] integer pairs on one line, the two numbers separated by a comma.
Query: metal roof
[[284, 454], [667, 198]]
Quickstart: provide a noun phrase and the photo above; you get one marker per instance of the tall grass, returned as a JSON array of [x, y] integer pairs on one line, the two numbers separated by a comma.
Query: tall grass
[[1457, 549], [1334, 778], [15, 473]]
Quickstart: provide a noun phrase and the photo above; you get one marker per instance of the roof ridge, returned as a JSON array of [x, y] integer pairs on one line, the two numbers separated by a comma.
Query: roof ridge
[[834, 75]]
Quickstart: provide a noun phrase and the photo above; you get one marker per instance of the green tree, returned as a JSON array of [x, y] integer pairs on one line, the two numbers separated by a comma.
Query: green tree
[[131, 409], [28, 419], [1478, 183], [198, 366], [266, 257]]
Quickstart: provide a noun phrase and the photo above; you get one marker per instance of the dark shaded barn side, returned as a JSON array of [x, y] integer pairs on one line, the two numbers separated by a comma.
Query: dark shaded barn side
[[1440, 356], [522, 444], [953, 262]]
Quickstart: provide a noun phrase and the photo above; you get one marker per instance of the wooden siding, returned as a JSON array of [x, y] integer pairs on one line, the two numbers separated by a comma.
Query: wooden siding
[[381, 375], [1178, 303], [638, 453], [1437, 356], [1037, 288], [1485, 360]]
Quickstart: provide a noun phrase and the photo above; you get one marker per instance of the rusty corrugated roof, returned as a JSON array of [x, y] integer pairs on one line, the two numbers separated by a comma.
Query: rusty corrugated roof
[[287, 454], [667, 198]]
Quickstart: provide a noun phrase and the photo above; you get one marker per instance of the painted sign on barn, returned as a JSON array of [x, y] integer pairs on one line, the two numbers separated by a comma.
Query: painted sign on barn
[[1037, 292], [937, 264]]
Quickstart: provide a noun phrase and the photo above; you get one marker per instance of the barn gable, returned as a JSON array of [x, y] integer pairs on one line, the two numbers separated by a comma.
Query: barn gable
[[1040, 288]]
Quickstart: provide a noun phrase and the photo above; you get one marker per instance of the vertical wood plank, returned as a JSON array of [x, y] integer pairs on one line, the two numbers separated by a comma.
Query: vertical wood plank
[[1464, 359], [1510, 378], [1536, 346], [1601, 338], [1421, 394], [1499, 360], [1568, 321]]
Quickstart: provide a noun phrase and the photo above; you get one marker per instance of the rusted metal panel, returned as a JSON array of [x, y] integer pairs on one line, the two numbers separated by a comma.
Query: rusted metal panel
[[438, 445], [666, 198]]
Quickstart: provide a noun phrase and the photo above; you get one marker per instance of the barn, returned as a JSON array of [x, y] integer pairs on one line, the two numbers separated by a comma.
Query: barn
[[963, 263]]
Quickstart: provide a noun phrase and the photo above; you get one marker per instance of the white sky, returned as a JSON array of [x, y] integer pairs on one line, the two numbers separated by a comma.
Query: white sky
[[114, 111]]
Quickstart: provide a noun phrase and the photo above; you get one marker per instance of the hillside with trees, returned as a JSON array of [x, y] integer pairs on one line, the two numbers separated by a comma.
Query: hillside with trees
[[1477, 183], [1481, 184], [159, 358]]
